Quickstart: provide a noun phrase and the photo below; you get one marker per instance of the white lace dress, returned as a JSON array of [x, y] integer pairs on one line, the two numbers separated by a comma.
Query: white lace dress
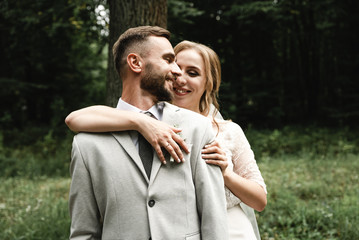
[[241, 219]]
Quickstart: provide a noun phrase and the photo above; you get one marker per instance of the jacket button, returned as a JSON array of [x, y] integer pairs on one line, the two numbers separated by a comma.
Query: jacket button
[[151, 203]]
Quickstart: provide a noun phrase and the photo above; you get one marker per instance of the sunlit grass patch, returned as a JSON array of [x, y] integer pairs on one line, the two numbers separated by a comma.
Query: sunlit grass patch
[[34, 209]]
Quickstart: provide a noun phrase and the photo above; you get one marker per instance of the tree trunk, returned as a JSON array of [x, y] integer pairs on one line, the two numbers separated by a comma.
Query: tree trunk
[[124, 15]]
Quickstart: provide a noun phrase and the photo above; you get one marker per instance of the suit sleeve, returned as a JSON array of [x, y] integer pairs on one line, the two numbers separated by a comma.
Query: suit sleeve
[[211, 200], [85, 220]]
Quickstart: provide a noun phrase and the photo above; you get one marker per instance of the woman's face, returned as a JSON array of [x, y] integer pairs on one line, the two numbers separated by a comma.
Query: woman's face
[[189, 87]]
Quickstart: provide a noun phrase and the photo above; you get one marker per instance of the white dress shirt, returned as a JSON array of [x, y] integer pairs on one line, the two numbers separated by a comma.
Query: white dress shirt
[[156, 110]]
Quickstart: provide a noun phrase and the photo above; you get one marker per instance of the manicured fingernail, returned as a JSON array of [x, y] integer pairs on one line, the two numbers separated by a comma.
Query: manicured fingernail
[[183, 160]]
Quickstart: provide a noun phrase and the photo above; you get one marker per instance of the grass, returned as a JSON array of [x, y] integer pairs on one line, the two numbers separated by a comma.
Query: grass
[[312, 179], [311, 198], [34, 208]]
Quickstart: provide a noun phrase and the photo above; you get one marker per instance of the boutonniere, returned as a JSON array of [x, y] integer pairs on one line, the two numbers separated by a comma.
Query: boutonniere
[[179, 133]]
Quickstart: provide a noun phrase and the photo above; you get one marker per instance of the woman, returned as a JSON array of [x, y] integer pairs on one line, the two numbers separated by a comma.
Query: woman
[[197, 90]]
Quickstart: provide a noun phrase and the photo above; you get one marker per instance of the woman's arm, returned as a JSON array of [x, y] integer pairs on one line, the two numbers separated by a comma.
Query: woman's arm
[[102, 119], [249, 191], [107, 119]]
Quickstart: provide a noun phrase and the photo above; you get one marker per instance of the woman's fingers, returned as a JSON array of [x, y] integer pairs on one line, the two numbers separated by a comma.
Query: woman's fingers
[[164, 137], [222, 164], [160, 154], [179, 142], [174, 150], [213, 154], [173, 146], [208, 149]]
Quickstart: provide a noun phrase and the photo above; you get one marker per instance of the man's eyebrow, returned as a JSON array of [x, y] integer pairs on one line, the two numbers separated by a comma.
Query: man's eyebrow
[[171, 55]]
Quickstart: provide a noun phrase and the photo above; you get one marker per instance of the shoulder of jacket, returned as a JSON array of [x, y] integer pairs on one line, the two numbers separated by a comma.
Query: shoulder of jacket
[[85, 137]]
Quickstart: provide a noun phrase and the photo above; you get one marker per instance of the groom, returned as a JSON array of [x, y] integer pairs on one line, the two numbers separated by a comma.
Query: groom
[[116, 193]]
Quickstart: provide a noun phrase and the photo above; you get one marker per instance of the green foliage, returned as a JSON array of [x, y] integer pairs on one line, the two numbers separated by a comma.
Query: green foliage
[[313, 141], [48, 156], [52, 60], [283, 62], [180, 15], [34, 209], [310, 197]]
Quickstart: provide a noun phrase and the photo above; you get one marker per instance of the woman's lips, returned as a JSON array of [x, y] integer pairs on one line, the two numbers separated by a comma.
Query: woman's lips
[[181, 91]]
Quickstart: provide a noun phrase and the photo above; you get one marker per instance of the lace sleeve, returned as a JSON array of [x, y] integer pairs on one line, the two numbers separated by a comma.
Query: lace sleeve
[[244, 163]]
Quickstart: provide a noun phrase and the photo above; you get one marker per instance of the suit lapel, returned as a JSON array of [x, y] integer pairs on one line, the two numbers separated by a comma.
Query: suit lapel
[[126, 142], [171, 115]]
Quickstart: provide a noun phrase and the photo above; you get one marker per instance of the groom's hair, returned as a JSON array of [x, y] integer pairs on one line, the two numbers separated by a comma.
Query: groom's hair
[[133, 40]]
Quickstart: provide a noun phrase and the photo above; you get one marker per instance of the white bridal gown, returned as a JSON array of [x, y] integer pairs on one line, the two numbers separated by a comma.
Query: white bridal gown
[[241, 219]]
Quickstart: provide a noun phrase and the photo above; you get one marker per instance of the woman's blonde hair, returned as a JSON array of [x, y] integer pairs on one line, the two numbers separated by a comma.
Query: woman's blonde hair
[[213, 74]]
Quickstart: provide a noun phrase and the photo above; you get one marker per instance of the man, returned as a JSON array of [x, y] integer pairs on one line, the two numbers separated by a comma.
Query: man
[[116, 194]]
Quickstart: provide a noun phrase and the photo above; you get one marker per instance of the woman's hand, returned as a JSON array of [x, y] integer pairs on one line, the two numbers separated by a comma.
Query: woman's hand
[[213, 154], [161, 135]]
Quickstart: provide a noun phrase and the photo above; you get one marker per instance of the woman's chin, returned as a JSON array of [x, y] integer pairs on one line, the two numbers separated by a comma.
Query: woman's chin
[[179, 103]]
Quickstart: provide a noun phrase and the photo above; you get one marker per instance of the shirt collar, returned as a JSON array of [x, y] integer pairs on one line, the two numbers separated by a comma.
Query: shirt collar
[[156, 110]]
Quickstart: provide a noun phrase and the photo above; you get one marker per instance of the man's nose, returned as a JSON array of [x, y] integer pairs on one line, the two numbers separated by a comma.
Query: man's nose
[[176, 70]]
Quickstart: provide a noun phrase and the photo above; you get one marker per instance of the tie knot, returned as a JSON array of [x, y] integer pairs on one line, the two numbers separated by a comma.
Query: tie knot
[[149, 114]]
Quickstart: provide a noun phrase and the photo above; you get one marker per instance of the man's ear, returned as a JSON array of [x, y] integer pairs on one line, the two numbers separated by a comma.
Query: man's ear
[[135, 63]]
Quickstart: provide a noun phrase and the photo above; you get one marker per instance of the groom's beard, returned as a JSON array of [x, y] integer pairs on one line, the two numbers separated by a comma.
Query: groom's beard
[[155, 84]]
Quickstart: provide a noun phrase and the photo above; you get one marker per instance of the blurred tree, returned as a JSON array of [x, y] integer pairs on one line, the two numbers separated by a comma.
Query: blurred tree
[[50, 55], [284, 62], [124, 15]]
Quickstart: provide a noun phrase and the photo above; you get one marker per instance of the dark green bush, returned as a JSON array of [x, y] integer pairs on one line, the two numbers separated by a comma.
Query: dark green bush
[[315, 141], [47, 156]]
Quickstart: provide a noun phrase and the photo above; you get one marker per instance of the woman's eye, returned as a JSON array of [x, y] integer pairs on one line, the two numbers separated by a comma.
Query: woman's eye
[[192, 73]]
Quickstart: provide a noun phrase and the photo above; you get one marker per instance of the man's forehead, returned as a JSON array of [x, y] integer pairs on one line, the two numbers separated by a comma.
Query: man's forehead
[[160, 44]]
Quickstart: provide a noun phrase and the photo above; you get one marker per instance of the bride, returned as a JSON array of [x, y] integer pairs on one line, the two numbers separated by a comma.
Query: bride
[[196, 89]]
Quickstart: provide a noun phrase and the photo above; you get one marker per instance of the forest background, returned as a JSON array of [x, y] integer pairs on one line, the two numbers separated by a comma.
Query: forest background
[[289, 77]]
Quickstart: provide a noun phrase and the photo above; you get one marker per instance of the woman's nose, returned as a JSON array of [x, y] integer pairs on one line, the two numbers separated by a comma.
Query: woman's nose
[[181, 81]]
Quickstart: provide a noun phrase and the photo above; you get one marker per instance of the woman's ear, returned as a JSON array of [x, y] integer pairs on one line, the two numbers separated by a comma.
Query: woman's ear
[[134, 62]]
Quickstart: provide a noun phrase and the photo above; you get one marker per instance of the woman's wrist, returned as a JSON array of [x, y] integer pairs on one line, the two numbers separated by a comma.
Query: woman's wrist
[[227, 174], [137, 122]]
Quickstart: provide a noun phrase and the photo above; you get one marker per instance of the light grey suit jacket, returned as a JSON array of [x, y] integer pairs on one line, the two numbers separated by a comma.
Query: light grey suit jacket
[[112, 198]]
